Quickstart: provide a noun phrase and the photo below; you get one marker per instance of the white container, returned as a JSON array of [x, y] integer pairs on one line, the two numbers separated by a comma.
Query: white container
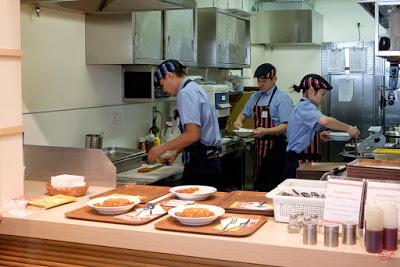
[[286, 205]]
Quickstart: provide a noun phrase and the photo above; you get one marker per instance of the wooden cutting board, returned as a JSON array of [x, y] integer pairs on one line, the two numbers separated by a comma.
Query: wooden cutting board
[[246, 196], [170, 224], [215, 199], [89, 214], [148, 192]]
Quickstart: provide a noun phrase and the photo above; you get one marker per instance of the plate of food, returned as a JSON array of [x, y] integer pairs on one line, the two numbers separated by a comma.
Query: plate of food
[[243, 132], [339, 136], [114, 204], [193, 192], [196, 214]]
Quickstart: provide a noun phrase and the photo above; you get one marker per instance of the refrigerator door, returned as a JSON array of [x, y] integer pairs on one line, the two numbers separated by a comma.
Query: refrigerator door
[[352, 101]]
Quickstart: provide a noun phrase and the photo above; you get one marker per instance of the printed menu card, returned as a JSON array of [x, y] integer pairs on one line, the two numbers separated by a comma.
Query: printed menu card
[[343, 201]]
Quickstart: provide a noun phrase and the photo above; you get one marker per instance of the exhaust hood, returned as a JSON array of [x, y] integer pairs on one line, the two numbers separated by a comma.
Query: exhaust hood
[[287, 27], [113, 6]]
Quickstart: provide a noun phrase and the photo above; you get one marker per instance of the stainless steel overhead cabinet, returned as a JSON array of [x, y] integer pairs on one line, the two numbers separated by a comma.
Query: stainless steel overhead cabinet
[[133, 38], [223, 38]]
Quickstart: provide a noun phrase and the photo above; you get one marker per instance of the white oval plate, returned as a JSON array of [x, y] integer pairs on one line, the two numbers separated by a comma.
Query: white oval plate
[[113, 210], [243, 132], [203, 192], [218, 211]]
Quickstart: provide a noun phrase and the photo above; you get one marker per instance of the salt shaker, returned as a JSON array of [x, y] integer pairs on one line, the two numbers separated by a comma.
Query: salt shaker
[[349, 234], [309, 232], [293, 226], [300, 218], [331, 235]]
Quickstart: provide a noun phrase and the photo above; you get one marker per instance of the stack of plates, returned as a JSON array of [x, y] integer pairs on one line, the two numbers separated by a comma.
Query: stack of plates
[[339, 136], [374, 169]]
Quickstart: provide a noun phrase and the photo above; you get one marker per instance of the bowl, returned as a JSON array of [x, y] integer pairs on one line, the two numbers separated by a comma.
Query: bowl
[[203, 192], [76, 191], [113, 210], [218, 211], [243, 132]]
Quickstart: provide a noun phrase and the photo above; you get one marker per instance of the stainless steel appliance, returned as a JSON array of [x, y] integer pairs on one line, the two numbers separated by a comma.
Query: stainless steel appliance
[[219, 95], [139, 84], [356, 74], [286, 27], [96, 6], [124, 158]]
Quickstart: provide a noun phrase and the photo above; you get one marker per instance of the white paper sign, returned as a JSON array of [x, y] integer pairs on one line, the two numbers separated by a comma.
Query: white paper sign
[[343, 201], [346, 90], [380, 192]]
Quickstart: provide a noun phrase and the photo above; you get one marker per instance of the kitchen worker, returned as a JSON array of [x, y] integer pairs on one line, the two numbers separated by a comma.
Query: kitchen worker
[[305, 122], [200, 138], [270, 109]]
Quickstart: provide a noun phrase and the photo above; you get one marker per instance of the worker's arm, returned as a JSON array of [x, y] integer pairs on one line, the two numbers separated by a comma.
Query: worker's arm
[[277, 130], [334, 124], [188, 137]]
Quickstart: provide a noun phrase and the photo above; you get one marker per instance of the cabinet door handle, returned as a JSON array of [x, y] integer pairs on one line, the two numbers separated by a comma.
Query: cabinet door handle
[[168, 42], [136, 39]]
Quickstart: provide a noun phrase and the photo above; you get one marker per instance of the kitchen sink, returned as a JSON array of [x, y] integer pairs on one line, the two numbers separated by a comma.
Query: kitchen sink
[[124, 158], [120, 153]]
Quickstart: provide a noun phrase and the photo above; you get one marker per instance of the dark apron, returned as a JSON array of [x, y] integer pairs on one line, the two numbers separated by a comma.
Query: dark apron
[[270, 151], [311, 154], [202, 165]]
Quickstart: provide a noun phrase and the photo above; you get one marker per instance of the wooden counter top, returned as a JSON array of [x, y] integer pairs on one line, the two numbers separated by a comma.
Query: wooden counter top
[[270, 245]]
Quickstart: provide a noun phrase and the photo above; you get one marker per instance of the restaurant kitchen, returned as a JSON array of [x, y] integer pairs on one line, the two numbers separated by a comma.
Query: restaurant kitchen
[[74, 84]]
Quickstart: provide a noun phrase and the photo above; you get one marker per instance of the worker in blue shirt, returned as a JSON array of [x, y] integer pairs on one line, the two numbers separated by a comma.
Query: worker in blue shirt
[[270, 109], [305, 123], [200, 138]]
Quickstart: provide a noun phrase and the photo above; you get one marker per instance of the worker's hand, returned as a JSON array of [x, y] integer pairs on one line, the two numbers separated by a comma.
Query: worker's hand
[[238, 124], [171, 158], [155, 153], [353, 132], [260, 132], [324, 136]]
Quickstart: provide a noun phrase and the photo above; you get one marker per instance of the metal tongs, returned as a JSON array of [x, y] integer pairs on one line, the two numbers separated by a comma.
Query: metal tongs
[[356, 140]]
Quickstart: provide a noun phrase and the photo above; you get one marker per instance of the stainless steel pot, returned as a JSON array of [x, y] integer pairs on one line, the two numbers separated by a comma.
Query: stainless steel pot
[[94, 141], [393, 137]]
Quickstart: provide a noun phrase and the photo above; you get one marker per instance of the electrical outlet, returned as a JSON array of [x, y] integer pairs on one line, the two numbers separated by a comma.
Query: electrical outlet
[[116, 116]]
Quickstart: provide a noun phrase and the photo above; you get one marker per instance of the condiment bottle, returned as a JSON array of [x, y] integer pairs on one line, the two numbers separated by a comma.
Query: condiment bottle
[[142, 143], [309, 231], [300, 218], [349, 233], [331, 235], [293, 226], [374, 228], [390, 226]]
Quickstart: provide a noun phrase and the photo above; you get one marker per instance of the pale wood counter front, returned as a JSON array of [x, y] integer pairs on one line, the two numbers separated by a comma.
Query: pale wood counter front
[[44, 239]]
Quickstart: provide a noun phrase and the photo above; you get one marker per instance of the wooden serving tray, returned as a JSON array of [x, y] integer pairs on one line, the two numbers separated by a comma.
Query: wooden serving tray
[[246, 196], [215, 199], [385, 165], [149, 192], [170, 224], [89, 214]]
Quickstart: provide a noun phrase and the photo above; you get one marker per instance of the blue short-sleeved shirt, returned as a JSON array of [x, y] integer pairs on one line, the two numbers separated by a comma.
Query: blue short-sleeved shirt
[[280, 108], [194, 106], [302, 126]]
